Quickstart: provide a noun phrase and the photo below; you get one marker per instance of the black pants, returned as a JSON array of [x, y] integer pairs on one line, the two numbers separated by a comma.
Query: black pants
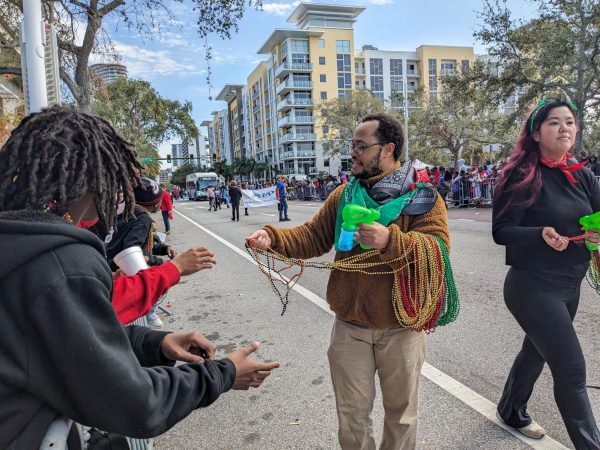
[[544, 303], [235, 210], [165, 215]]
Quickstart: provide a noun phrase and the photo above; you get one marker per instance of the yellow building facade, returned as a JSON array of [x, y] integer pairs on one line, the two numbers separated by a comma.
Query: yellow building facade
[[272, 116]]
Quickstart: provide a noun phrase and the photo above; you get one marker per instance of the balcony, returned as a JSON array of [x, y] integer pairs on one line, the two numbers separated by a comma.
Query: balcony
[[289, 102], [256, 109], [295, 120], [288, 155], [449, 72], [293, 84], [359, 71], [255, 95], [306, 153], [292, 137], [412, 73], [293, 67]]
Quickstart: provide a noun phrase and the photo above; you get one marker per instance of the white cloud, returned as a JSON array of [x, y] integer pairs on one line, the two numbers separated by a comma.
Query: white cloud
[[149, 64], [279, 9]]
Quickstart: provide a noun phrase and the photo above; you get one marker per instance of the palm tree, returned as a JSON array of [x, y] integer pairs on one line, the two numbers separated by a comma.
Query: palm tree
[[261, 169]]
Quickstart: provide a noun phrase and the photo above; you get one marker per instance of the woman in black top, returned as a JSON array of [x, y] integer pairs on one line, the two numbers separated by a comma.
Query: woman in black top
[[538, 202]]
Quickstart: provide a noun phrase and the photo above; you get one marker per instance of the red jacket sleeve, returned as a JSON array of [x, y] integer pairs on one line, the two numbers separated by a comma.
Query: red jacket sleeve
[[134, 296]]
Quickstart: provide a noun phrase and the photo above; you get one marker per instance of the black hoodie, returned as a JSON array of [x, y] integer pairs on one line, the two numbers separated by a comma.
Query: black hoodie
[[63, 351]]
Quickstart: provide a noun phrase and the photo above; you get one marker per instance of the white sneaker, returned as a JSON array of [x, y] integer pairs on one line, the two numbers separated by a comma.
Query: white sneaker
[[155, 322], [534, 430]]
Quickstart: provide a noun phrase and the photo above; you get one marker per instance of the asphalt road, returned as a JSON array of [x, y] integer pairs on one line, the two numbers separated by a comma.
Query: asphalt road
[[294, 409]]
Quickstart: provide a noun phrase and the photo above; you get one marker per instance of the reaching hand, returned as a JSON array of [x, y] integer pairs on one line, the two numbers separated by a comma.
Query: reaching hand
[[554, 240], [194, 260], [593, 237], [171, 252], [188, 347], [259, 239], [248, 372], [373, 236]]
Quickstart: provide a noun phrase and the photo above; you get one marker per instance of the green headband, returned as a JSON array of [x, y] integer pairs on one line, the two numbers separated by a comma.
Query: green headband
[[543, 102]]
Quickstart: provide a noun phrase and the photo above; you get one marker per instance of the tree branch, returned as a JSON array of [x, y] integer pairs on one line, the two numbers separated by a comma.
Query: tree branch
[[7, 70]]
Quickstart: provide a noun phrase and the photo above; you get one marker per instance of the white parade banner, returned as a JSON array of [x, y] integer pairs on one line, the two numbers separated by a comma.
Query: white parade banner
[[259, 197]]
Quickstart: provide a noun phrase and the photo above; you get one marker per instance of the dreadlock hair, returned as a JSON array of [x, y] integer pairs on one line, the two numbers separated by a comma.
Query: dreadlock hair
[[58, 155]]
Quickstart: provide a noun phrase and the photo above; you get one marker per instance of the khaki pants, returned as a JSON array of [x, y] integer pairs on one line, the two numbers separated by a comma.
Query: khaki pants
[[355, 354]]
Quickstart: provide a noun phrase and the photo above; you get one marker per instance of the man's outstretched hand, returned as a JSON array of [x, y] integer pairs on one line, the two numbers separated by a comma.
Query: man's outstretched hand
[[249, 372], [259, 239]]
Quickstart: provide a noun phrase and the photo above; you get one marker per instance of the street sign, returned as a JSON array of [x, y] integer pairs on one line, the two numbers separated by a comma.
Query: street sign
[[147, 160]]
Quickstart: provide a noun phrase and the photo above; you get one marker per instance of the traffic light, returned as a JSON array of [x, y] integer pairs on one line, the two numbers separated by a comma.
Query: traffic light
[[169, 159], [191, 159]]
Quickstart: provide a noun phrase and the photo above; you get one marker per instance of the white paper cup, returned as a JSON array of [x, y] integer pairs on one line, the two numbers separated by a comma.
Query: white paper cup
[[131, 260]]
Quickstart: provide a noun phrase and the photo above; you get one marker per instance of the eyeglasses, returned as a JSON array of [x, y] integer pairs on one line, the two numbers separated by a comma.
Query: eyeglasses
[[360, 149]]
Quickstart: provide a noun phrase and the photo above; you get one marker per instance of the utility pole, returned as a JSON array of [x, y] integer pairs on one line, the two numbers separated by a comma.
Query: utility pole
[[405, 88], [32, 63]]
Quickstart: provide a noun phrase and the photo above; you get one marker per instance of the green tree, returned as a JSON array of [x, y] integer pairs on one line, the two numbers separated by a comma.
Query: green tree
[[461, 118], [220, 17], [555, 53], [223, 169], [144, 117], [178, 177], [339, 116]]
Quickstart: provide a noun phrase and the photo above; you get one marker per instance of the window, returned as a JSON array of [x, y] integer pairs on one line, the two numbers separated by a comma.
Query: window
[[448, 67], [275, 57], [299, 46], [395, 67], [377, 83], [321, 43], [379, 95], [284, 51], [322, 78], [432, 67], [376, 66], [343, 93], [411, 69], [433, 84], [323, 95], [343, 63], [344, 81], [342, 46], [464, 65], [396, 84], [321, 60]]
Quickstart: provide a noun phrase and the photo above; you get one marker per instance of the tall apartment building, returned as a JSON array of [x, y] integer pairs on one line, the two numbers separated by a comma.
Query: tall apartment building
[[176, 153], [272, 116], [109, 72]]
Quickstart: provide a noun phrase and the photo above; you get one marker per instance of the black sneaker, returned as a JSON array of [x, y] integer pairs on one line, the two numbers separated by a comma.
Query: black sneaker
[[287, 219]]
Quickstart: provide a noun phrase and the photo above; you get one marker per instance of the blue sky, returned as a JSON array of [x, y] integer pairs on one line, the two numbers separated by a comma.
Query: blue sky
[[173, 61]]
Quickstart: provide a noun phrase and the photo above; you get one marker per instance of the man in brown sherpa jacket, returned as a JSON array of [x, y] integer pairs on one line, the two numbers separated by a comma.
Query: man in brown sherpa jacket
[[366, 336]]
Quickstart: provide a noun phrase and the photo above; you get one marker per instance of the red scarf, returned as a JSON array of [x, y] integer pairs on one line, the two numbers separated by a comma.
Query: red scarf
[[562, 165]]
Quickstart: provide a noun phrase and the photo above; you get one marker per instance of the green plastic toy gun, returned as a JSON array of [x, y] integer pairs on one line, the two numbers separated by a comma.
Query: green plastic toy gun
[[352, 217], [591, 222]]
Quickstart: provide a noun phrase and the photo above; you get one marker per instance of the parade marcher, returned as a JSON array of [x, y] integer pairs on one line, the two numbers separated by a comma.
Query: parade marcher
[[235, 194], [245, 186], [281, 193], [166, 208], [210, 193], [63, 351], [218, 197], [366, 337], [539, 199]]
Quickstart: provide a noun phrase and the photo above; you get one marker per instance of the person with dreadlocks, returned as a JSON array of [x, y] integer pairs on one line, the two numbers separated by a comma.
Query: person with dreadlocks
[[63, 351], [367, 335], [539, 199]]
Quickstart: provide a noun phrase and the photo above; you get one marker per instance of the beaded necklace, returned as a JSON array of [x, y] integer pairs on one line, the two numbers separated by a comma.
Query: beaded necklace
[[424, 293]]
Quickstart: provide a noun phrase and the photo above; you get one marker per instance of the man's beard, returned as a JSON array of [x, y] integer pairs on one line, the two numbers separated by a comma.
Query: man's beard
[[371, 168]]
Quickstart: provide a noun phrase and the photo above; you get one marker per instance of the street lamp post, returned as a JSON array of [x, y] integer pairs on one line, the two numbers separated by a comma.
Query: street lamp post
[[405, 88], [32, 33]]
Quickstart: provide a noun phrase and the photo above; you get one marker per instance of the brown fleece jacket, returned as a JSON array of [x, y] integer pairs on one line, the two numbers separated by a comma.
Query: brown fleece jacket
[[354, 296]]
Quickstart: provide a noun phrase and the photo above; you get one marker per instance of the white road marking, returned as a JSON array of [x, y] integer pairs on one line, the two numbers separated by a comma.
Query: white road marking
[[272, 215], [467, 220], [455, 388]]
